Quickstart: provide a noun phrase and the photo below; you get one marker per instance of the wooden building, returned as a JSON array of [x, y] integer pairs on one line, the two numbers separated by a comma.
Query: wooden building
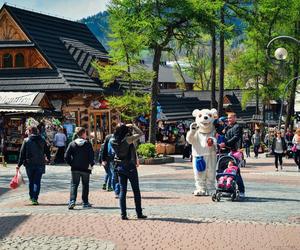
[[46, 54]]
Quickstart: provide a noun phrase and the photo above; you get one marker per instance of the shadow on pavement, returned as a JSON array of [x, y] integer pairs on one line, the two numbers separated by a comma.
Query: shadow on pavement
[[51, 204], [179, 220], [109, 208], [3, 190], [178, 167], [263, 164], [9, 223], [155, 198], [266, 199], [258, 164]]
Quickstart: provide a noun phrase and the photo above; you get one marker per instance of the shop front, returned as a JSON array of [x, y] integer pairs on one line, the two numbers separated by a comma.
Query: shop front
[[92, 114], [16, 108], [171, 136]]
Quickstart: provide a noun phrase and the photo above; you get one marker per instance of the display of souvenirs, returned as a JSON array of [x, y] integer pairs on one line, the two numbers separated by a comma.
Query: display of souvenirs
[[170, 133], [13, 133]]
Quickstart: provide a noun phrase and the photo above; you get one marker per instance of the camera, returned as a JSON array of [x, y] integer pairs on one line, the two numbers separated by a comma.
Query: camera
[[130, 131]]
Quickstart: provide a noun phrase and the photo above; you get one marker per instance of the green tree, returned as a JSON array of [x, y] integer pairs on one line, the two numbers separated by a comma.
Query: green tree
[[126, 50], [160, 22], [130, 105], [251, 69]]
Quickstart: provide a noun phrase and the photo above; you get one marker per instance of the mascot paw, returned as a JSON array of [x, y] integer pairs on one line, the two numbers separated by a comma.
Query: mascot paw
[[199, 193]]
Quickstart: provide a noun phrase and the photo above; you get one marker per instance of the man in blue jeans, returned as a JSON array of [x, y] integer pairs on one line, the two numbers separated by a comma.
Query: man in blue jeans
[[32, 156], [80, 156]]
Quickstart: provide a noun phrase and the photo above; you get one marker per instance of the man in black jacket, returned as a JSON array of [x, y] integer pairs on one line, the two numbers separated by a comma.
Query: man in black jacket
[[32, 156], [233, 141], [80, 156], [233, 134]]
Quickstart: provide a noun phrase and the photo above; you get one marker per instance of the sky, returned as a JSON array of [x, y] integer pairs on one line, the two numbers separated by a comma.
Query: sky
[[69, 9]]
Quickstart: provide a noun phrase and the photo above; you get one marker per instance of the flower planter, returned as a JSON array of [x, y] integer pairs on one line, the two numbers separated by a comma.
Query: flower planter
[[155, 161]]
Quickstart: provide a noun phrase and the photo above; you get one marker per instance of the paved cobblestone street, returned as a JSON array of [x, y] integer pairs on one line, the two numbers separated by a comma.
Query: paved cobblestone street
[[269, 218]]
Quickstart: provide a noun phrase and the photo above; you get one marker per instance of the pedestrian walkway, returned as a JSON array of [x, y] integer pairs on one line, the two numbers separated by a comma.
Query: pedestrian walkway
[[268, 218]]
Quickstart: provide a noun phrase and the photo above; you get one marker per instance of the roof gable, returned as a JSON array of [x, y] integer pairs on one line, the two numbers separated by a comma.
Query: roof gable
[[49, 35], [9, 29]]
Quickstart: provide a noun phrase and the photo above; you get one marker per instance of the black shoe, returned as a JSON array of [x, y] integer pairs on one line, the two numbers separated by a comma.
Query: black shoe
[[34, 202], [87, 205], [124, 217], [141, 216]]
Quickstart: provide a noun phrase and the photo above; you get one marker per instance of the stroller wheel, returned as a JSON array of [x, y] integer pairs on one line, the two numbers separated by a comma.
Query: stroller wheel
[[214, 197], [233, 196], [237, 195], [218, 196]]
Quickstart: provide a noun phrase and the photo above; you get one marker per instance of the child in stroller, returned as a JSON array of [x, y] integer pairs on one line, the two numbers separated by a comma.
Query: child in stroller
[[229, 165], [226, 180], [226, 183]]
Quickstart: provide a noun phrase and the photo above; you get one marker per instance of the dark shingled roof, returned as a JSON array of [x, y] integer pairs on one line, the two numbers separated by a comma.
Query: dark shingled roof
[[234, 96], [176, 108], [68, 47], [167, 74]]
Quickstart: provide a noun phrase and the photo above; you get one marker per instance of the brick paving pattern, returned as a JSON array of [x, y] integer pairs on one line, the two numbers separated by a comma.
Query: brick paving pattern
[[268, 218]]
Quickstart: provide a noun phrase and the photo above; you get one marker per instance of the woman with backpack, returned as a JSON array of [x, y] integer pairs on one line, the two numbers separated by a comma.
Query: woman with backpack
[[126, 165]]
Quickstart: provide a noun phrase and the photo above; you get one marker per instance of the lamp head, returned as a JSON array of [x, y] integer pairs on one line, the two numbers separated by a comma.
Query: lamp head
[[281, 54]]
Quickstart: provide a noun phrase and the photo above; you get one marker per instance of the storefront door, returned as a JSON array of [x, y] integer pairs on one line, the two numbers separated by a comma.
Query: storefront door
[[99, 127]]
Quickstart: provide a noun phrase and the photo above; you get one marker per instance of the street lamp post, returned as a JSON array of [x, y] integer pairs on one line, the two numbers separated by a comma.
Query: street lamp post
[[281, 55], [283, 97]]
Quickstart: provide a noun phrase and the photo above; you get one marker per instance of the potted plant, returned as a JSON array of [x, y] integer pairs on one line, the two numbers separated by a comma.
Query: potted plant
[[147, 155]]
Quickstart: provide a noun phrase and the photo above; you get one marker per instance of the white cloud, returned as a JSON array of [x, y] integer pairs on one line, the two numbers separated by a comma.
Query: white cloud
[[70, 9]]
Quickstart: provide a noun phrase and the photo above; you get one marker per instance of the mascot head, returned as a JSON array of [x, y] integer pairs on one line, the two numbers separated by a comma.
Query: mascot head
[[205, 119]]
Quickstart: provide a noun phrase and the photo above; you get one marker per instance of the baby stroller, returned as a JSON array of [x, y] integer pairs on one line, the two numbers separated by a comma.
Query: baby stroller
[[289, 151], [226, 178]]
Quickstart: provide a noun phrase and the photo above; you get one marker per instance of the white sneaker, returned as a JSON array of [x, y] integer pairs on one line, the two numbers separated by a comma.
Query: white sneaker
[[242, 195]]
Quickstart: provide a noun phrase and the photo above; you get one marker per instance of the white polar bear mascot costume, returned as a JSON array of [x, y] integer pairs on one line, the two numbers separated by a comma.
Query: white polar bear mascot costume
[[204, 144]]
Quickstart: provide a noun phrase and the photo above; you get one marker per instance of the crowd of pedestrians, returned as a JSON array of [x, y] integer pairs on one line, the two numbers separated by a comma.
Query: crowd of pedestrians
[[119, 158], [117, 155]]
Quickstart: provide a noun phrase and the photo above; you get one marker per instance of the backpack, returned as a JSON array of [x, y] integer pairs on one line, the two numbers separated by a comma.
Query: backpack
[[110, 151], [121, 149]]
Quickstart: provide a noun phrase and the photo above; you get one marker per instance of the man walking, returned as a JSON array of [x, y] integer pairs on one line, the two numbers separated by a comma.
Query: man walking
[[59, 141], [80, 156], [256, 142], [32, 156]]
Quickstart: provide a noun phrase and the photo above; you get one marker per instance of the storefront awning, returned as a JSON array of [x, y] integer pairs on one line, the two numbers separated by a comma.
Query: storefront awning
[[22, 102], [17, 98], [20, 109]]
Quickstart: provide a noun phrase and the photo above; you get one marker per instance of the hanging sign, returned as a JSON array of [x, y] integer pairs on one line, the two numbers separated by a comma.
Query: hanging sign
[[99, 104]]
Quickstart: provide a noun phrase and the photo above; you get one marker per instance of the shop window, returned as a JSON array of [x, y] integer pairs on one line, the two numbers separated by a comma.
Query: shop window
[[7, 61], [19, 61]]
